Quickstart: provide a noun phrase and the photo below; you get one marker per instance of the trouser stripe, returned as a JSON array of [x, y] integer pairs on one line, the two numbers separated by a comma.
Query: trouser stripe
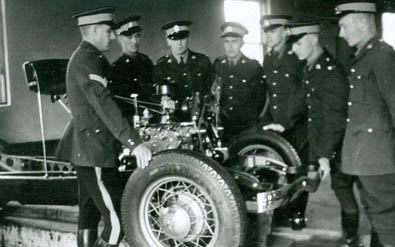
[[115, 223]]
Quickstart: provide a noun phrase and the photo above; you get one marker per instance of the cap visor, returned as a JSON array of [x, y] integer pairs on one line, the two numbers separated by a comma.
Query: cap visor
[[180, 35], [294, 38], [234, 35], [131, 31], [271, 27]]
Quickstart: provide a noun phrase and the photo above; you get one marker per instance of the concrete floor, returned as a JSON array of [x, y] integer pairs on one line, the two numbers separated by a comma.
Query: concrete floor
[[323, 225]]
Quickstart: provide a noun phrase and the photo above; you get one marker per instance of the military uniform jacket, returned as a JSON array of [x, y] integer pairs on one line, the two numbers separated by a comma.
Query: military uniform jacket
[[324, 99], [283, 79], [196, 75], [369, 144], [242, 93], [97, 122], [132, 74]]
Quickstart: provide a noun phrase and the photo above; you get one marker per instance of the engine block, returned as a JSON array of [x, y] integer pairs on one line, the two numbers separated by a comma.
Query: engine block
[[169, 136]]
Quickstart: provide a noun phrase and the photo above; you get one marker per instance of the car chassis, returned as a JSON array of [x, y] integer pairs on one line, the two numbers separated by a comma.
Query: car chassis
[[257, 172]]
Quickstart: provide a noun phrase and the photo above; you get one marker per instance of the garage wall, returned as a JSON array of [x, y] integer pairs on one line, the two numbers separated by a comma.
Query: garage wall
[[44, 29]]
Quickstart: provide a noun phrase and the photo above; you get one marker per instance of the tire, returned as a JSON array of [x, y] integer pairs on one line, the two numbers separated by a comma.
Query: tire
[[183, 199], [270, 145]]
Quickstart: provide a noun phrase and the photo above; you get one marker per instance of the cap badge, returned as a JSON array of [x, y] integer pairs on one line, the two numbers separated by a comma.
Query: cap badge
[[176, 28]]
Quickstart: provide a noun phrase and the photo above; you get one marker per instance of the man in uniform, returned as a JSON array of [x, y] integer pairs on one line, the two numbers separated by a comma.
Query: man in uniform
[[132, 71], [369, 143], [324, 98], [186, 71], [96, 128], [283, 74], [240, 82]]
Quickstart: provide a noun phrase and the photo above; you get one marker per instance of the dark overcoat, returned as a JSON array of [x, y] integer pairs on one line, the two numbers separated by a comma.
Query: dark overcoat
[[97, 125], [196, 75], [369, 143], [283, 74], [324, 98], [242, 93], [132, 75]]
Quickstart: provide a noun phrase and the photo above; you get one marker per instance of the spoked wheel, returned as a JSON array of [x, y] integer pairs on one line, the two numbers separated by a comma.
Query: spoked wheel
[[260, 149], [183, 199], [269, 145], [176, 210], [269, 152]]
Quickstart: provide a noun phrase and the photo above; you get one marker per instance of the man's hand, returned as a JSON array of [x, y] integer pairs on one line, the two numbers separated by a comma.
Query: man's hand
[[143, 155], [275, 127], [324, 167]]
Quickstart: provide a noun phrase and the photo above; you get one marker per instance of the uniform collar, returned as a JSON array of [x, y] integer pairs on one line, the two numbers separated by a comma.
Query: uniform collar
[[279, 54], [236, 61], [90, 47], [135, 54], [185, 57], [314, 62], [323, 62], [373, 42]]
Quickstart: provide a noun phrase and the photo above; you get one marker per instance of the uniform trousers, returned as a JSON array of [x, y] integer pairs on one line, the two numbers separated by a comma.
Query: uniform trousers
[[297, 137], [100, 192], [343, 186], [378, 199]]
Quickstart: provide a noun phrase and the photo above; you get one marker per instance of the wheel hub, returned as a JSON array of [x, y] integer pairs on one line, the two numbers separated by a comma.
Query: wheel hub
[[184, 219], [175, 222]]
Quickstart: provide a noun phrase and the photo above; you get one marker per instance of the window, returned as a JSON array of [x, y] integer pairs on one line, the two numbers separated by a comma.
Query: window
[[388, 20], [248, 13], [5, 95]]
